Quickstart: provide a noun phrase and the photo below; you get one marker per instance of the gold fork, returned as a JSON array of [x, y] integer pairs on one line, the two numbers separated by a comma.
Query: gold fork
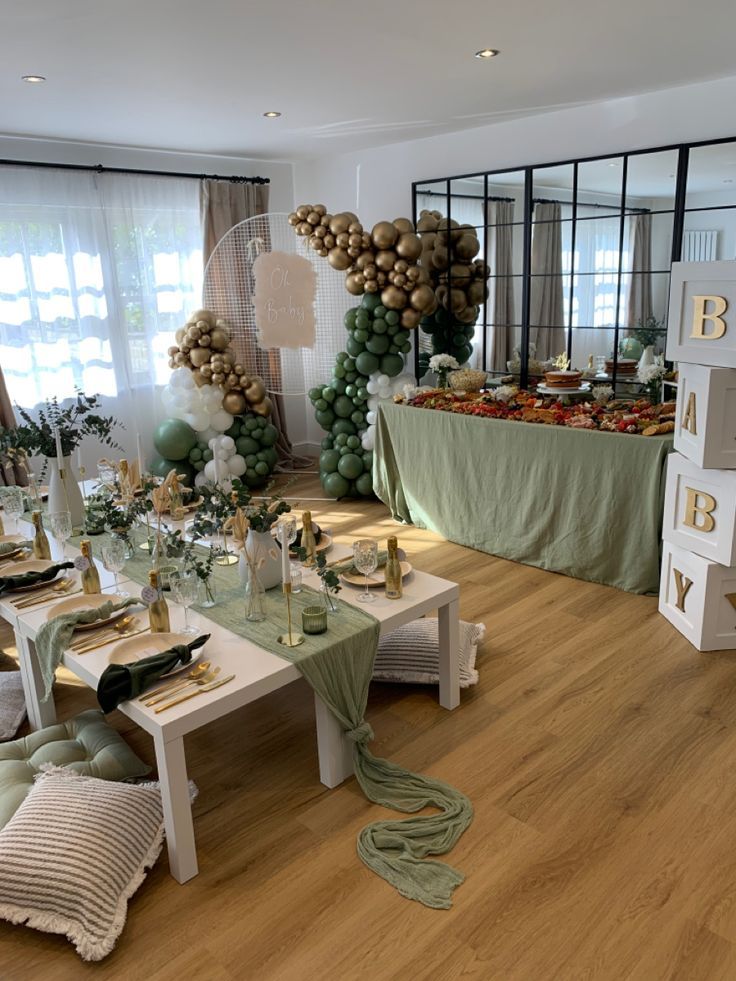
[[197, 691], [89, 638], [103, 642], [206, 678], [61, 587], [192, 675]]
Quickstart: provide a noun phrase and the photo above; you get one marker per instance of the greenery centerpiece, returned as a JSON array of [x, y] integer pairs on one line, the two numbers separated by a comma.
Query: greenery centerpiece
[[74, 422], [649, 331]]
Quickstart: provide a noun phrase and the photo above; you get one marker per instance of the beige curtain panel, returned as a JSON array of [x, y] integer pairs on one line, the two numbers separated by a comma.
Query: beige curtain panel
[[9, 473], [639, 305], [546, 308], [500, 215]]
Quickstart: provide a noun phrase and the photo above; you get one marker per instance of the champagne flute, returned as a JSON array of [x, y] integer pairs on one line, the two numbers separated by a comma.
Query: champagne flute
[[14, 505], [365, 560], [114, 555], [184, 587], [60, 523]]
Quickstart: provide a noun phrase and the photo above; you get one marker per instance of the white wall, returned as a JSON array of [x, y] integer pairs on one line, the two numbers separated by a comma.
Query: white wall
[[376, 183], [724, 221]]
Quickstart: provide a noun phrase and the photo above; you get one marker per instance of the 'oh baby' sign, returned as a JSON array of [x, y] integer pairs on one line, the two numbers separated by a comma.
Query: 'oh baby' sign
[[284, 300]]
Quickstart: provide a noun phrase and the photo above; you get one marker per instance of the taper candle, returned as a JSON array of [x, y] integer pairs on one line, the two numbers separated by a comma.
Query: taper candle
[[59, 454], [139, 450], [285, 563], [80, 465]]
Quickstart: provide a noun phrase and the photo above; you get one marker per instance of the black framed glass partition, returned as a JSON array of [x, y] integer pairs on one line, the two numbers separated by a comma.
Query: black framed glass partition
[[579, 252]]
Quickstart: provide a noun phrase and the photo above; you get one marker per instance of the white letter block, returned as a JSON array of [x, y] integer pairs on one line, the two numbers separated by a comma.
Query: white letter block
[[700, 510], [701, 327], [698, 597], [705, 425]]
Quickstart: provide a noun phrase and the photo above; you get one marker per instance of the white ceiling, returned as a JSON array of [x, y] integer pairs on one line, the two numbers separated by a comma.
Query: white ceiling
[[193, 76]]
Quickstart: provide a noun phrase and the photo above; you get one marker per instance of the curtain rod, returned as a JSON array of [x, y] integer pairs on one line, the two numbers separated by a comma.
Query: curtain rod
[[470, 197], [592, 204], [101, 169]]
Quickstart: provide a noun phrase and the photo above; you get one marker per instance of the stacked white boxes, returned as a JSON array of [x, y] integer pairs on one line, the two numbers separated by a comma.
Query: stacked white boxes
[[697, 592]]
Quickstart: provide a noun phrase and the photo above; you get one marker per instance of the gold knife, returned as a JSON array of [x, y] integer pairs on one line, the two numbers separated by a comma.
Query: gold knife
[[106, 641], [45, 598], [199, 691]]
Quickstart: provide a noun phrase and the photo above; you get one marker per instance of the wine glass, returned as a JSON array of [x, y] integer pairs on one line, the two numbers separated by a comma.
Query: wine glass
[[14, 505], [114, 555], [184, 589], [60, 523], [365, 560]]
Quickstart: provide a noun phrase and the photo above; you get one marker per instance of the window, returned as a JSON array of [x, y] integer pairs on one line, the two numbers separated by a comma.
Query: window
[[97, 272]]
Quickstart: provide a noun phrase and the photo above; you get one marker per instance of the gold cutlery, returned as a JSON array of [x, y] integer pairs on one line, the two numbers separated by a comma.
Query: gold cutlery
[[110, 628], [109, 640], [206, 679], [198, 691], [60, 588], [196, 672]]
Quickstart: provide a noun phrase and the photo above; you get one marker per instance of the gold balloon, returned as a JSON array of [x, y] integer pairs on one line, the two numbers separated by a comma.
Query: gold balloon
[[467, 316], [422, 298], [460, 273], [218, 378], [313, 218], [315, 242], [371, 286], [203, 315], [293, 218], [427, 222], [256, 391], [320, 231], [320, 209], [409, 246], [199, 380], [458, 301], [262, 408], [410, 318], [365, 259], [367, 241], [385, 260], [179, 335], [413, 273], [304, 228], [329, 241], [355, 239], [401, 266], [199, 356], [180, 359], [393, 298], [338, 258], [340, 223], [371, 272], [403, 225], [355, 228], [228, 357], [467, 247], [477, 291], [205, 340], [302, 211], [206, 370], [342, 240], [244, 381], [234, 403], [355, 283], [325, 220], [219, 339], [440, 257], [353, 251], [232, 380], [399, 279], [384, 234]]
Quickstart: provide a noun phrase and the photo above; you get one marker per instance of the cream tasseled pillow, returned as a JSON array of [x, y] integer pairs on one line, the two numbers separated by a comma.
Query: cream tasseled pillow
[[74, 853], [410, 653]]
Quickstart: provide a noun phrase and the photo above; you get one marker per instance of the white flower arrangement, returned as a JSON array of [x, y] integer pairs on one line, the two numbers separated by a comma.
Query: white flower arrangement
[[443, 362], [602, 394], [504, 393], [649, 373]]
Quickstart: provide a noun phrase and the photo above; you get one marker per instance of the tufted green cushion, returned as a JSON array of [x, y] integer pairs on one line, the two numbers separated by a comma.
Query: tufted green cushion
[[86, 744]]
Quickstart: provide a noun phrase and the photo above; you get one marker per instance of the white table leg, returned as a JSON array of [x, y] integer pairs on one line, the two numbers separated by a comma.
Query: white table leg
[[449, 639], [335, 751], [40, 714], [172, 775]]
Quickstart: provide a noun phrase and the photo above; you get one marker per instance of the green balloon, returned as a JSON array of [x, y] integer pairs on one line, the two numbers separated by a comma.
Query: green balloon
[[361, 336], [350, 466], [161, 467], [349, 318], [328, 394], [364, 484], [234, 430], [343, 406], [195, 454], [380, 326], [251, 460], [362, 320], [321, 406], [341, 356], [339, 371], [370, 301], [339, 384], [174, 438], [328, 460], [354, 347], [261, 468], [391, 317], [350, 391], [391, 365], [314, 394], [335, 485], [326, 418], [270, 435], [378, 344], [251, 423], [272, 457], [343, 426], [199, 466], [353, 442], [358, 417], [326, 443], [349, 365], [367, 363], [341, 439]]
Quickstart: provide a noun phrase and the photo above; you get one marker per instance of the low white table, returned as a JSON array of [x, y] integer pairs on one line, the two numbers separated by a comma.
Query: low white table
[[257, 672]]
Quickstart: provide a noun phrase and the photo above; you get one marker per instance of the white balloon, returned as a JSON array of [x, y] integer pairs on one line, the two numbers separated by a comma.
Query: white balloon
[[370, 417], [200, 479], [179, 377], [227, 443], [190, 419], [221, 420], [236, 465], [201, 421], [383, 381], [212, 442], [372, 386], [209, 470], [222, 454], [372, 402], [207, 434], [187, 380], [368, 439]]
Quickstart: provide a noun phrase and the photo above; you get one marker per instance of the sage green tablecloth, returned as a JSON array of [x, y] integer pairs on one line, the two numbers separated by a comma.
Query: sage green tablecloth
[[584, 503]]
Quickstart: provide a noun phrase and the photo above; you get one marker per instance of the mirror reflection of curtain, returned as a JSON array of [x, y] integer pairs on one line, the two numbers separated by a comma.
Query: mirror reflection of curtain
[[639, 307], [500, 215], [546, 308]]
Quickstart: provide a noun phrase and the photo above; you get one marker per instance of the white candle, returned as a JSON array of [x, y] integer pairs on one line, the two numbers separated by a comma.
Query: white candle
[[217, 469], [139, 448], [79, 459], [59, 454], [285, 563]]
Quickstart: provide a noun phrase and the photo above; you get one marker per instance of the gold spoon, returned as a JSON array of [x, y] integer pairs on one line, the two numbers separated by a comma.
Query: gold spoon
[[85, 640], [205, 679], [58, 588], [197, 671]]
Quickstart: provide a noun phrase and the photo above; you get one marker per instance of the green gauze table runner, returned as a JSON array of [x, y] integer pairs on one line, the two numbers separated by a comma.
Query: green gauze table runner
[[339, 666]]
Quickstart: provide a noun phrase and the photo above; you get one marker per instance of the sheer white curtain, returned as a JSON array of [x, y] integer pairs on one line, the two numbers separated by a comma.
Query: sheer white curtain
[[97, 271]]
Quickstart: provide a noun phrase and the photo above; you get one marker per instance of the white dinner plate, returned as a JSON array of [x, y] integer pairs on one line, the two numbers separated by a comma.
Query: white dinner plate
[[134, 649]]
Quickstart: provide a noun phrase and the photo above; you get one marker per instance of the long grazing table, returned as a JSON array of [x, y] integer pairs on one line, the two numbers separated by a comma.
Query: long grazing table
[[257, 672], [584, 503]]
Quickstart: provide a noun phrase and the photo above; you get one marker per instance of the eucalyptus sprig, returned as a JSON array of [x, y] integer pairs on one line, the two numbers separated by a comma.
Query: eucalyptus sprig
[[330, 579], [74, 422]]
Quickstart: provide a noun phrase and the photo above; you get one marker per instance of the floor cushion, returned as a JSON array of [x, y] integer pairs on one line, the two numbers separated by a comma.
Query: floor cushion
[[86, 744], [74, 853], [411, 653], [12, 704]]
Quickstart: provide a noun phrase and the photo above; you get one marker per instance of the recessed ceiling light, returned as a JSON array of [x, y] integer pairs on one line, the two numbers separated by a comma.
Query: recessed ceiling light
[[33, 78], [271, 114], [487, 53]]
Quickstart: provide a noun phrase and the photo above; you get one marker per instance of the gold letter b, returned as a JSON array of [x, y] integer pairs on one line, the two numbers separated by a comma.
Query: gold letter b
[[693, 509], [700, 316]]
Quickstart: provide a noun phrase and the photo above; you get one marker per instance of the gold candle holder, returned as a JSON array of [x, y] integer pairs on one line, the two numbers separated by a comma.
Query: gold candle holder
[[292, 638], [227, 557], [314, 619]]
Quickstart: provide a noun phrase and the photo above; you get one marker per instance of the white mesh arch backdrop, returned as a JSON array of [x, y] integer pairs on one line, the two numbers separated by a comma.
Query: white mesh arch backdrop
[[228, 291]]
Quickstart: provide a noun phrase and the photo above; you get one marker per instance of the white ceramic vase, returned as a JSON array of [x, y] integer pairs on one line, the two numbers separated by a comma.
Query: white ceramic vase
[[264, 551], [647, 356], [65, 496]]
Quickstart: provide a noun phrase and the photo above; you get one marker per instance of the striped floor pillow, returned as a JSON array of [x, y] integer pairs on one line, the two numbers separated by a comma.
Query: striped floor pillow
[[74, 853], [411, 653]]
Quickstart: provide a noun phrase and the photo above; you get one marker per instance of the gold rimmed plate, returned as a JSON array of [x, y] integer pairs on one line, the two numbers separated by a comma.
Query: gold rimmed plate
[[136, 648], [87, 601], [11, 538], [32, 565], [376, 578], [323, 545]]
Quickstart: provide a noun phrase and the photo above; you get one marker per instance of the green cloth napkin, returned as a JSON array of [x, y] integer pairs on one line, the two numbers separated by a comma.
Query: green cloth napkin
[[349, 566], [54, 636], [119, 682], [7, 547], [9, 583]]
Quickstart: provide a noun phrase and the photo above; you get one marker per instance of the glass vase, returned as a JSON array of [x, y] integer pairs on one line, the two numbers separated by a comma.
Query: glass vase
[[254, 597], [329, 599], [207, 598], [123, 535]]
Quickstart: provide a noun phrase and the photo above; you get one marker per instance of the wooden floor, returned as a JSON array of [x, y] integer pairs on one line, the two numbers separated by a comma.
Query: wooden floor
[[599, 751]]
